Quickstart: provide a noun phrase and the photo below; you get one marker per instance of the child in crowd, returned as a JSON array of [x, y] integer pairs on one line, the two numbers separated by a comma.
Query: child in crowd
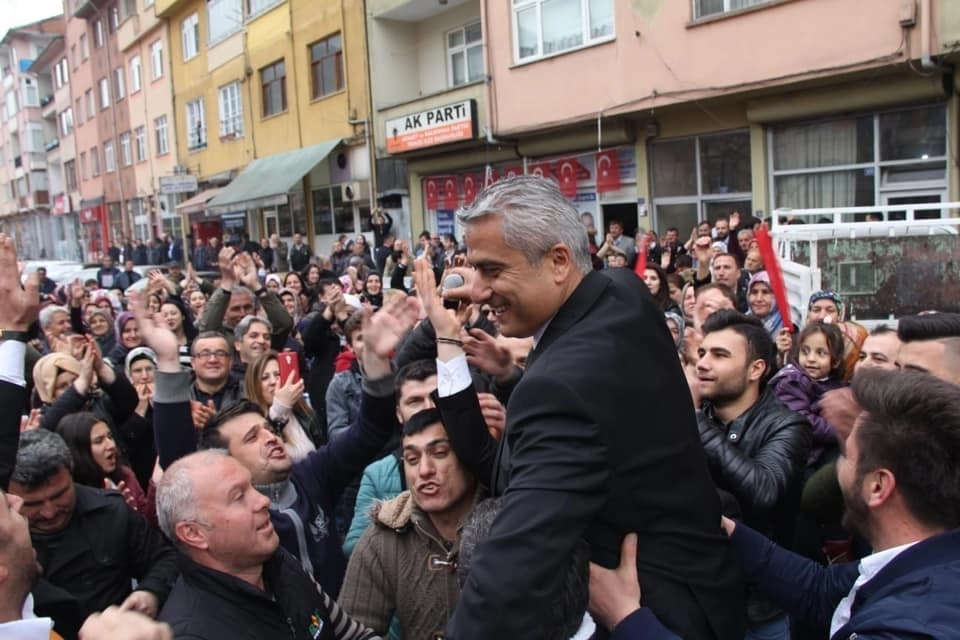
[[817, 368]]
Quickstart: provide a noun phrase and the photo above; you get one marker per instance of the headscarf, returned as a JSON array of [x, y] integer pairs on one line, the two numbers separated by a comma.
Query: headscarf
[[47, 369], [138, 353], [681, 326], [122, 320], [297, 312], [773, 321], [828, 295], [108, 341]]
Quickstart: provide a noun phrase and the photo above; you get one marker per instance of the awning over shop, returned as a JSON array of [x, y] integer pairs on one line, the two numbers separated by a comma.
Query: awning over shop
[[266, 181], [197, 203]]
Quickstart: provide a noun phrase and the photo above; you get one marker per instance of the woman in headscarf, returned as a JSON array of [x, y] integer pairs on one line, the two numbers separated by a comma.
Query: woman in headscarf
[[763, 304], [100, 325], [140, 369], [128, 337], [373, 290]]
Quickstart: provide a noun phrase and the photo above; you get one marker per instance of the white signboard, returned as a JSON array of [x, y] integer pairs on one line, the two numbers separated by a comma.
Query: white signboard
[[178, 184]]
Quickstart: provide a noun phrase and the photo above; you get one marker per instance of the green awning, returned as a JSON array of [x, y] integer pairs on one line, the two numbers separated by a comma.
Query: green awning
[[266, 181]]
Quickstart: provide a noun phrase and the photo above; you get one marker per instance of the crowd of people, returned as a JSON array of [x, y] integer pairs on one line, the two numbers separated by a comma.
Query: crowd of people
[[557, 444]]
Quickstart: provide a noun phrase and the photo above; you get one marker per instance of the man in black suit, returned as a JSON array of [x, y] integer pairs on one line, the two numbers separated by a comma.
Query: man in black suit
[[601, 436]]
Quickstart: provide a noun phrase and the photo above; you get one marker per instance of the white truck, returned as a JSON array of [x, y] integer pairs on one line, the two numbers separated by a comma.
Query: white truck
[[884, 262]]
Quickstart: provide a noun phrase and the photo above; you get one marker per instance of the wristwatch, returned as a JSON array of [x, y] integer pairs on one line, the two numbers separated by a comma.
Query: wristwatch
[[19, 336]]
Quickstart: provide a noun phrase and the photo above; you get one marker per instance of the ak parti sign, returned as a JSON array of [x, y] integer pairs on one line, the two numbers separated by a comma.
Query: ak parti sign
[[440, 125]]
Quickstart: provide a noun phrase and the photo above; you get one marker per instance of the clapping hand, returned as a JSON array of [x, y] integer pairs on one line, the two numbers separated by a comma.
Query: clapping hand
[[31, 421], [484, 353], [383, 331], [19, 305]]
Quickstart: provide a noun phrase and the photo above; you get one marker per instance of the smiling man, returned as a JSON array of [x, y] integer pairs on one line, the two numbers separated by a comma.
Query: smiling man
[[236, 581], [403, 564], [577, 460]]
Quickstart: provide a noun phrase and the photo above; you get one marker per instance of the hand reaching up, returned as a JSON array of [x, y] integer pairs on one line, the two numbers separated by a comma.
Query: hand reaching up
[[156, 334], [383, 331]]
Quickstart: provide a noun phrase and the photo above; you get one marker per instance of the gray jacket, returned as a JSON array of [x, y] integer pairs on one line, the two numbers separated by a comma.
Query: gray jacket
[[343, 400]]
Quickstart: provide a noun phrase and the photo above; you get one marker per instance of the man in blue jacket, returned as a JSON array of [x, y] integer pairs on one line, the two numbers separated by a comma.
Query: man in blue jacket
[[302, 495], [901, 487]]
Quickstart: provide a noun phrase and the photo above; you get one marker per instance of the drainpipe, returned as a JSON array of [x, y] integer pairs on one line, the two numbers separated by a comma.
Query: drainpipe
[[925, 60], [117, 160]]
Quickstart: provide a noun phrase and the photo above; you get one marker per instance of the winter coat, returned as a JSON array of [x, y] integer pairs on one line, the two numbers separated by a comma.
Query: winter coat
[[795, 388], [383, 480]]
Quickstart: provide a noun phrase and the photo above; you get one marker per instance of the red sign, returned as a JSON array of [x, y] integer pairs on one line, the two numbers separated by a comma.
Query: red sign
[[608, 171], [432, 188], [472, 183], [89, 214], [61, 205], [512, 172], [489, 177], [566, 174], [540, 169], [450, 192]]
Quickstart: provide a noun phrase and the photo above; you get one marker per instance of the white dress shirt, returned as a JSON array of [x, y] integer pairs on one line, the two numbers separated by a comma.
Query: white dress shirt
[[30, 627], [869, 567], [12, 358]]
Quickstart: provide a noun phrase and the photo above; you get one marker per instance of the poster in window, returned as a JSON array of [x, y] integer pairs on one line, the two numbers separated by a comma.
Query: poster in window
[[445, 221], [512, 172], [450, 195], [472, 182], [540, 169], [431, 187], [566, 174]]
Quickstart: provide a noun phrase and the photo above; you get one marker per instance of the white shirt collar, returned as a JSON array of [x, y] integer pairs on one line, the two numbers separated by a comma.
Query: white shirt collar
[[29, 628], [870, 566], [587, 628]]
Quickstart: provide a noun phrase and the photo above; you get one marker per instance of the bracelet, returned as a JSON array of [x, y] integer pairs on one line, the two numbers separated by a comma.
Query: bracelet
[[453, 341]]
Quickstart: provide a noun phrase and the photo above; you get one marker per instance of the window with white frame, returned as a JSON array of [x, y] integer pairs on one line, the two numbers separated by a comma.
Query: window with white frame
[[465, 55], [114, 18], [84, 46], [190, 36], [104, 85], [126, 153], [119, 83], [140, 136], [91, 110], [35, 139], [156, 60], [160, 128], [94, 162], [10, 104], [147, 3], [109, 160], [196, 125], [700, 178], [224, 18], [84, 175], [231, 111], [70, 175], [255, 7], [856, 160], [66, 121], [60, 74], [136, 77], [705, 8], [98, 34], [31, 93], [546, 27]]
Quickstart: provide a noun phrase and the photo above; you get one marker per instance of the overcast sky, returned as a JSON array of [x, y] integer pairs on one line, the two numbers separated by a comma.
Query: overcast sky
[[14, 13]]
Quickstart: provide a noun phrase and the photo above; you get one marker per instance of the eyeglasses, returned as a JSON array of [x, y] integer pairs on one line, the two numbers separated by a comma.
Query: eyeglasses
[[206, 354]]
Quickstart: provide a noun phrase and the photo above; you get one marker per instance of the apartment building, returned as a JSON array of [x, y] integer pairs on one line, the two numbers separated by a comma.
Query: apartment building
[[25, 185], [661, 114], [272, 115]]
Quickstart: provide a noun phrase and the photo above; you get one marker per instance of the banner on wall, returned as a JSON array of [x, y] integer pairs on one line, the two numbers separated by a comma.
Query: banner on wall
[[431, 187], [540, 169], [445, 221], [608, 171], [512, 172], [566, 174], [450, 193], [490, 176], [472, 183]]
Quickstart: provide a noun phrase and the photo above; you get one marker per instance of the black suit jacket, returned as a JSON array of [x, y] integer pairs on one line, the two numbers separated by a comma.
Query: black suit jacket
[[601, 441]]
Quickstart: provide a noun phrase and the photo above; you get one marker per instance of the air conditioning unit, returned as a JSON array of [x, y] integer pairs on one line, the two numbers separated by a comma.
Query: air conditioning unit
[[351, 191]]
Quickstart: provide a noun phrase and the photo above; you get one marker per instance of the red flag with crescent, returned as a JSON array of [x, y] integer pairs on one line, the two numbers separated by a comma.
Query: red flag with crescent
[[512, 172], [608, 171], [641, 267], [489, 177], [566, 173], [540, 169], [772, 264], [450, 193], [472, 183], [432, 188]]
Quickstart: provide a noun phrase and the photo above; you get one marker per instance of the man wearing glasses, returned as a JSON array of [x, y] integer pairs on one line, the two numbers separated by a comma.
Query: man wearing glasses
[[213, 387]]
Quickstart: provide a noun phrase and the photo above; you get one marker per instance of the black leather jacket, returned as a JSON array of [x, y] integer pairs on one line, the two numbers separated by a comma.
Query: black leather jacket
[[759, 459]]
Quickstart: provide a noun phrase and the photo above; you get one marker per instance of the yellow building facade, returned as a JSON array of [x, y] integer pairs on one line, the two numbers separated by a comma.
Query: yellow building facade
[[255, 79]]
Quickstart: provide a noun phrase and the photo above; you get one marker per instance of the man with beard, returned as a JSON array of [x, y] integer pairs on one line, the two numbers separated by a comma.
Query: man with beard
[[901, 489], [756, 447]]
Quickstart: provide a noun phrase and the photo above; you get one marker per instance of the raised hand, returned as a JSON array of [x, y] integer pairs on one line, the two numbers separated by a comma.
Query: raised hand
[[19, 306], [494, 414], [225, 264], [484, 353], [290, 392], [31, 421], [245, 271], [155, 333], [445, 323], [382, 333], [76, 293], [201, 412], [84, 381]]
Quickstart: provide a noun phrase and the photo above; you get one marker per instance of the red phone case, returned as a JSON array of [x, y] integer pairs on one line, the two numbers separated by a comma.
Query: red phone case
[[288, 361]]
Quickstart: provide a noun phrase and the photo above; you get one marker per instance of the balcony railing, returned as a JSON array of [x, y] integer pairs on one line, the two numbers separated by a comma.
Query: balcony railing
[[45, 100], [52, 144]]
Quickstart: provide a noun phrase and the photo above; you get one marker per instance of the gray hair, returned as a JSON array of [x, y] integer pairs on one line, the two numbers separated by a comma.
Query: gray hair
[[243, 326], [535, 215], [47, 313], [176, 499], [240, 290], [40, 455], [565, 613]]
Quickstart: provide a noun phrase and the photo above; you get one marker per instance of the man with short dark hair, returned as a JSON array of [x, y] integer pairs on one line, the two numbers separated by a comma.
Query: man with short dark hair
[[128, 276], [299, 254], [237, 581], [879, 349], [721, 269], [213, 387], [412, 539], [756, 447], [931, 343], [901, 488], [107, 274], [88, 541], [616, 240], [344, 393], [251, 339]]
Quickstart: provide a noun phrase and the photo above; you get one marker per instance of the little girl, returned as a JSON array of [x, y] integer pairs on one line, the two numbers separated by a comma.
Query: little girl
[[817, 368]]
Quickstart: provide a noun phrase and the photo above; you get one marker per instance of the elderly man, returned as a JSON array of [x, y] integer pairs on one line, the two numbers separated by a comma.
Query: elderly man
[[231, 302], [251, 339], [55, 324], [901, 488], [236, 581], [576, 461], [88, 541]]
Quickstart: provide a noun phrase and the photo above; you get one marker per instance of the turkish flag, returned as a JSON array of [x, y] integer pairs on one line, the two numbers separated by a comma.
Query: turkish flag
[[450, 192], [641, 267], [540, 169], [771, 263], [512, 172], [432, 188], [472, 183], [608, 171], [566, 173], [489, 176]]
